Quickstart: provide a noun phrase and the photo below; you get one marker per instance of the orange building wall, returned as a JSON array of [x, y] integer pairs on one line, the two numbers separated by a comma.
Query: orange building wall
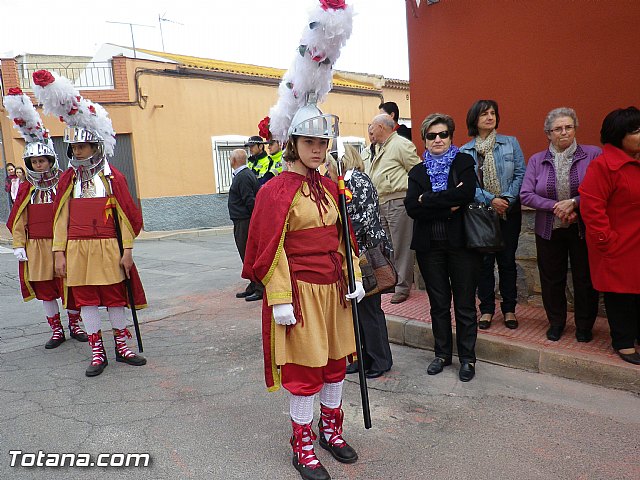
[[530, 56]]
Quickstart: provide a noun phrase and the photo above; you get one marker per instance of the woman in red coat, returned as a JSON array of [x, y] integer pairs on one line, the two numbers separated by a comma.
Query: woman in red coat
[[610, 206]]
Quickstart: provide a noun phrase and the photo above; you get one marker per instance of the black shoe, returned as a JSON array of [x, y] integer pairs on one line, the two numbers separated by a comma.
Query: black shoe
[[81, 337], [437, 365], [344, 454], [136, 360], [95, 370], [243, 294], [55, 343], [253, 297], [485, 321], [510, 320], [467, 371], [352, 368], [584, 336], [374, 373], [318, 473], [630, 357], [554, 333]]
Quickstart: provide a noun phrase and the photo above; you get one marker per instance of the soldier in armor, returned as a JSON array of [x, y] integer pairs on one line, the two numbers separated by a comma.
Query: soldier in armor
[[85, 233], [31, 220], [295, 249]]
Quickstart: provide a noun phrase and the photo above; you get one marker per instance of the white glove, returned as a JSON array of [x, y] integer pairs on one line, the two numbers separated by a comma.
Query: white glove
[[358, 294], [21, 254], [283, 314]]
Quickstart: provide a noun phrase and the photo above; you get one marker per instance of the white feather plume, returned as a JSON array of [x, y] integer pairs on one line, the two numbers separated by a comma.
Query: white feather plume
[[326, 33], [62, 99], [25, 118]]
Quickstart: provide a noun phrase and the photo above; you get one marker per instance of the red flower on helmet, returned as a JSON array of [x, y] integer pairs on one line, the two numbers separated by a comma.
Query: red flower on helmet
[[15, 91], [19, 121], [73, 110], [92, 109], [333, 4], [263, 128], [43, 78]]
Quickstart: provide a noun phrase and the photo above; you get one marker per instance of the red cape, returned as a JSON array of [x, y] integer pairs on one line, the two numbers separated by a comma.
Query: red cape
[[129, 213], [264, 244], [22, 200]]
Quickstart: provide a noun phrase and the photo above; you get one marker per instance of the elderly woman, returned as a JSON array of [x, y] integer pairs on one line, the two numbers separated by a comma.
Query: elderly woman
[[500, 168], [438, 187], [610, 210], [363, 210], [550, 186]]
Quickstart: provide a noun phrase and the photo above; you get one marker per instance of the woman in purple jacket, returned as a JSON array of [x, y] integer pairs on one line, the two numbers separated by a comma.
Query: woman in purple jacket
[[550, 186]]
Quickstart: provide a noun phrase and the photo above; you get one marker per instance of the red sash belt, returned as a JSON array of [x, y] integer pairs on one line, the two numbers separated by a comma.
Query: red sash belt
[[90, 218], [313, 257], [40, 221]]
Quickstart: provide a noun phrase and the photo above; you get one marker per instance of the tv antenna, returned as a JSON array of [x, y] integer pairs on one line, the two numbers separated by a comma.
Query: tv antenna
[[162, 18], [131, 25]]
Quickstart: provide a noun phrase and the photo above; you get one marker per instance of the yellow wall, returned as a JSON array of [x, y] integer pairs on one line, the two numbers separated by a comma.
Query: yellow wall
[[172, 147]]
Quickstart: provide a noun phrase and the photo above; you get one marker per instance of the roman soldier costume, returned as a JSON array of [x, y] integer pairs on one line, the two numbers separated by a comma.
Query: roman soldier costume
[[93, 201], [296, 250], [31, 221]]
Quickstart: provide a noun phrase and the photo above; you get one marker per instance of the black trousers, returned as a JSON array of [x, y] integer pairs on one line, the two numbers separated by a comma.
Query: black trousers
[[373, 324], [623, 313], [240, 235], [565, 243], [446, 272], [507, 270]]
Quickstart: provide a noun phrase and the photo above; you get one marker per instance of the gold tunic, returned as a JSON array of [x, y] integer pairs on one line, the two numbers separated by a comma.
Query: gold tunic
[[327, 332], [92, 261]]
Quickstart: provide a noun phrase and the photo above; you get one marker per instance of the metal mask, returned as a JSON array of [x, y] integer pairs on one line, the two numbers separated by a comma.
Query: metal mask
[[89, 167], [41, 180]]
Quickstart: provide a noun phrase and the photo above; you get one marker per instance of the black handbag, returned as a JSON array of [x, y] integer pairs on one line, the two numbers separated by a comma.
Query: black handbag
[[482, 226]]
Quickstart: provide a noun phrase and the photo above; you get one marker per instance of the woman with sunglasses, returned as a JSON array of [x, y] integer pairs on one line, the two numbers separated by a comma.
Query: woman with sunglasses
[[438, 188], [550, 186], [500, 169]]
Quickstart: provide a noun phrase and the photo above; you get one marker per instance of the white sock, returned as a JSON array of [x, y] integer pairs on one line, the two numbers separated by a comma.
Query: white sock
[[331, 394], [50, 307], [301, 409], [73, 312], [117, 318], [91, 319]]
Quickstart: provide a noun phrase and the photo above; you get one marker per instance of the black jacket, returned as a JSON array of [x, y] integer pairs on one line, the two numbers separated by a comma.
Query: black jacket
[[242, 194], [437, 205], [404, 131]]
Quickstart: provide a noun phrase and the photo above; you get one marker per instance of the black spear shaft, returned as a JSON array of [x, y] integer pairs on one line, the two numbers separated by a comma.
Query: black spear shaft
[[342, 204], [127, 281]]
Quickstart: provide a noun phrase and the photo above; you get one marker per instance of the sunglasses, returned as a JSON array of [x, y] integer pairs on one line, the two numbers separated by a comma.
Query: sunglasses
[[442, 135]]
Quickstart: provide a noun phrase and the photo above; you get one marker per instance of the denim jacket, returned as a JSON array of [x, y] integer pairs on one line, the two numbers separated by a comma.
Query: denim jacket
[[509, 166]]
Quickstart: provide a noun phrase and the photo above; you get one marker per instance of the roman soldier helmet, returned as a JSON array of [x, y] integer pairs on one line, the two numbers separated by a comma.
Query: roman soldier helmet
[[26, 119], [87, 122], [309, 79]]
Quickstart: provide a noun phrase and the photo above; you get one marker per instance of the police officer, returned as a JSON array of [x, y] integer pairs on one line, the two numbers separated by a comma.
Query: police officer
[[259, 162]]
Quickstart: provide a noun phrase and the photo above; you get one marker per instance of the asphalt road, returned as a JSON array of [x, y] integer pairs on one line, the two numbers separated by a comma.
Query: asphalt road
[[200, 410]]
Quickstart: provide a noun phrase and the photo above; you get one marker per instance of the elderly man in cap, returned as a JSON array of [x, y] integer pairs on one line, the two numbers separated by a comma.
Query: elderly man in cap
[[259, 162], [242, 197]]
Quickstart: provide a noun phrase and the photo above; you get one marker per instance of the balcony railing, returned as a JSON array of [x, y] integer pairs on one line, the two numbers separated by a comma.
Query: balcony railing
[[83, 75]]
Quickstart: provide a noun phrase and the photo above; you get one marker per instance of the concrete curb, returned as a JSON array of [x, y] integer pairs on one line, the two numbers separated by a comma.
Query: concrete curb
[[591, 369]]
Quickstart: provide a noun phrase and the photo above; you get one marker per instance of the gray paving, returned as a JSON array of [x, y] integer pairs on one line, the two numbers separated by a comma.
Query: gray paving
[[199, 407]]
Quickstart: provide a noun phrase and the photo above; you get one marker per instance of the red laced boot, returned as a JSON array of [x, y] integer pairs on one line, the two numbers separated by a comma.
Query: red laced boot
[[123, 353], [98, 355], [75, 330], [304, 457], [330, 425], [58, 333]]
